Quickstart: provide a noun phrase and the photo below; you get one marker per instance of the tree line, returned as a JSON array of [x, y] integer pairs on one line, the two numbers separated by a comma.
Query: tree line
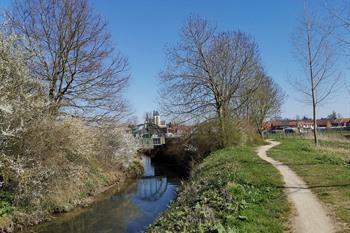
[[214, 75], [217, 76]]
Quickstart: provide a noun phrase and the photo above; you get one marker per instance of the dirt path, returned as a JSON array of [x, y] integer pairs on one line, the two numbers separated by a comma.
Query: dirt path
[[311, 216]]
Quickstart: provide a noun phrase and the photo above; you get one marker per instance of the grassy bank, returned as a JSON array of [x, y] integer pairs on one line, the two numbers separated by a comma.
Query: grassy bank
[[59, 165], [326, 170], [232, 190]]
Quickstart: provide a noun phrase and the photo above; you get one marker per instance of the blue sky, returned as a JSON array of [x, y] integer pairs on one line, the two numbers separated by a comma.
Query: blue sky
[[142, 29]]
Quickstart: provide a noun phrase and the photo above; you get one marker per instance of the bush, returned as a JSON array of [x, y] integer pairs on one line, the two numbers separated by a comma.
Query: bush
[[50, 162], [63, 163], [208, 136]]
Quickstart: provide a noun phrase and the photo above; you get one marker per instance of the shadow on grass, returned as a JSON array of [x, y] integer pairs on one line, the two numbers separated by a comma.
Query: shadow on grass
[[295, 164], [317, 186]]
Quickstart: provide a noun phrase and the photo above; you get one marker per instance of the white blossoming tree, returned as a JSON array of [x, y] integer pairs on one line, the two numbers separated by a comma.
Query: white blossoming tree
[[21, 103], [47, 162], [21, 99]]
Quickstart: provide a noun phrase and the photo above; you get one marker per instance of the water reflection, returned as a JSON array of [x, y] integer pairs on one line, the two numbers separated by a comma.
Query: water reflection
[[130, 211], [151, 187]]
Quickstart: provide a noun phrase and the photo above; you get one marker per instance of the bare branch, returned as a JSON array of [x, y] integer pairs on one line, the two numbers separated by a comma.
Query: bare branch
[[314, 49], [72, 54]]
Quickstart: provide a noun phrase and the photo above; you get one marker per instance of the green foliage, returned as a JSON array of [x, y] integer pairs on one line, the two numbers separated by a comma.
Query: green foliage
[[206, 137], [232, 190], [6, 206]]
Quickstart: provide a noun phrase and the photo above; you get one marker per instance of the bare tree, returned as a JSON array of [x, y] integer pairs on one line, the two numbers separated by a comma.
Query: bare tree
[[314, 50], [265, 102], [73, 54], [206, 71]]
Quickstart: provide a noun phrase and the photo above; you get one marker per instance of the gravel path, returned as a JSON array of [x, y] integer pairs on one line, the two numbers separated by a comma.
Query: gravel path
[[311, 216]]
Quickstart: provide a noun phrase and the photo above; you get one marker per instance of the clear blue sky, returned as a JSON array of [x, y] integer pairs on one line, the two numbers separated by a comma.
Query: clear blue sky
[[142, 29]]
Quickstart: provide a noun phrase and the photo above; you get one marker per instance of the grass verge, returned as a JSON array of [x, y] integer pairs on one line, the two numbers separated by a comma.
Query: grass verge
[[232, 190], [326, 170]]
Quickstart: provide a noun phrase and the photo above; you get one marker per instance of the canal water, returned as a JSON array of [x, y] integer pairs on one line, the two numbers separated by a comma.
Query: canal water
[[131, 210]]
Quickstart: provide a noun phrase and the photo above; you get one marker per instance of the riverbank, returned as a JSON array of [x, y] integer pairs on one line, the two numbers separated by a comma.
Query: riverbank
[[68, 195], [231, 190], [59, 163], [128, 209]]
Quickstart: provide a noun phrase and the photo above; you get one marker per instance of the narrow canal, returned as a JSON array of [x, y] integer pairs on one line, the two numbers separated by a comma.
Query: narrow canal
[[130, 210]]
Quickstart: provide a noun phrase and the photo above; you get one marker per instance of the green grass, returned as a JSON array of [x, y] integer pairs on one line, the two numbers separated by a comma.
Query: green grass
[[326, 170], [6, 210], [232, 190]]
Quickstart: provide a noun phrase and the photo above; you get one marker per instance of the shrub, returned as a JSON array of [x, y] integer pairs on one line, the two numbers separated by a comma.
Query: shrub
[[208, 137], [50, 162]]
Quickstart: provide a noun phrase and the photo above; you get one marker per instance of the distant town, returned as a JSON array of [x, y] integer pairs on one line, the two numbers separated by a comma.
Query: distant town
[[305, 125], [154, 131]]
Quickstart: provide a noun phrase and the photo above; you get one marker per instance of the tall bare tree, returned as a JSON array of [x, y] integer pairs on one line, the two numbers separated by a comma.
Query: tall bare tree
[[206, 71], [264, 103], [73, 54], [314, 50]]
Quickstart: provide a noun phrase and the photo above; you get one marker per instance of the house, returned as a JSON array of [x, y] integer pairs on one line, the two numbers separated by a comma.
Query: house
[[324, 123], [149, 135], [307, 124], [179, 130], [282, 124], [341, 122], [278, 125]]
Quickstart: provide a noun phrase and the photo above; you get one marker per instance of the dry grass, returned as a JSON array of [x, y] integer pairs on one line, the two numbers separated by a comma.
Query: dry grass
[[63, 164], [335, 136], [337, 152]]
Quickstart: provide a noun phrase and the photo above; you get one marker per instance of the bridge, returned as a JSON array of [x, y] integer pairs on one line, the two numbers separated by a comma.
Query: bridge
[[149, 135]]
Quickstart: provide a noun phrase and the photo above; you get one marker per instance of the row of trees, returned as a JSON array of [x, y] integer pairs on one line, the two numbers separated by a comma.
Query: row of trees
[[217, 75]]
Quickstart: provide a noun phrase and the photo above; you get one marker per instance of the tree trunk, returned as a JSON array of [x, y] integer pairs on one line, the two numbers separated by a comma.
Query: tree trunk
[[313, 88], [221, 116], [260, 130], [315, 124]]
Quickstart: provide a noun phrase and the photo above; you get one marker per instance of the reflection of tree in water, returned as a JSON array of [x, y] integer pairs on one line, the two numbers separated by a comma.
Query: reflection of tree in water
[[152, 188]]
